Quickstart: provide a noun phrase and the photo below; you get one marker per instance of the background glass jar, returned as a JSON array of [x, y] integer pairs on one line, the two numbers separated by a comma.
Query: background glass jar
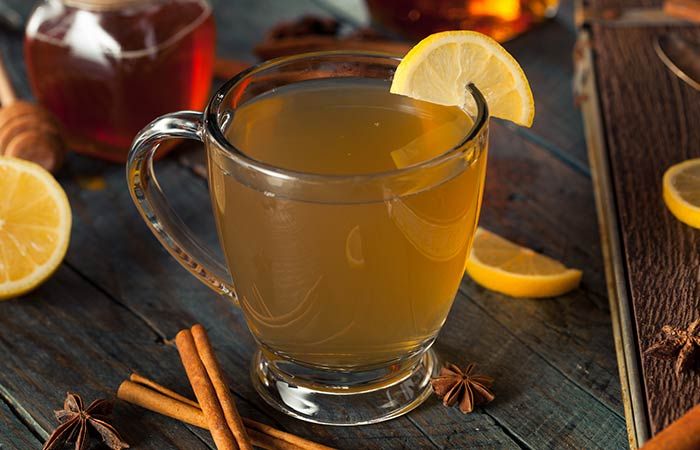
[[106, 68], [500, 19]]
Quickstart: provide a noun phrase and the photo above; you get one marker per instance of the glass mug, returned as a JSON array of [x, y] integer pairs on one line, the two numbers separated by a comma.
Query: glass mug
[[344, 279]]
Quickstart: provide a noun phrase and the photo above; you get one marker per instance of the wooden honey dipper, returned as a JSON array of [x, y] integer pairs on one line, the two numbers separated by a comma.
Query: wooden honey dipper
[[28, 131]]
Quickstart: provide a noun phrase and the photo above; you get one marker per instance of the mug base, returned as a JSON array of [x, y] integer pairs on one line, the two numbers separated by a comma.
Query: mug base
[[343, 398]]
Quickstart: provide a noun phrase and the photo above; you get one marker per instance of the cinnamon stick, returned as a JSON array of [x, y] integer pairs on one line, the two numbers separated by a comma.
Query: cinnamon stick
[[155, 401], [138, 379], [263, 440], [150, 395], [162, 404], [204, 391], [291, 439], [683, 434], [233, 418]]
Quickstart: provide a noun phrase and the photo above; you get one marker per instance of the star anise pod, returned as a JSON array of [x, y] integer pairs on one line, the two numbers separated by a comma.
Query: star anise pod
[[75, 422], [683, 345], [454, 385]]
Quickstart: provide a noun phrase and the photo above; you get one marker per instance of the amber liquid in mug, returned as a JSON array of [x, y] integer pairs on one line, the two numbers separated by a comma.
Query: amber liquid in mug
[[346, 285]]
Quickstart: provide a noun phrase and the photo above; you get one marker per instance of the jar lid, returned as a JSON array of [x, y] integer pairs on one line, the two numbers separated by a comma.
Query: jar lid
[[101, 4]]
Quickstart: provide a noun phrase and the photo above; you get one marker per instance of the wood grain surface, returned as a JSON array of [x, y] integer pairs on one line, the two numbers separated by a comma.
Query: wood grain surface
[[557, 124], [652, 122], [14, 431], [119, 298]]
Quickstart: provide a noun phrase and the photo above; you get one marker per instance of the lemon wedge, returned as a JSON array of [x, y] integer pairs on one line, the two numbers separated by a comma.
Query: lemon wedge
[[35, 223], [502, 266], [681, 191], [439, 68]]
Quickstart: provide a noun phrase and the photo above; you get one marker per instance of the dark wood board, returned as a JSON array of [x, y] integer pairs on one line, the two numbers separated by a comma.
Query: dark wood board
[[119, 298], [640, 119], [651, 123]]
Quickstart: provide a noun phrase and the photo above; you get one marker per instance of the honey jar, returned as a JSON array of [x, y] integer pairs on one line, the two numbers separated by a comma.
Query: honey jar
[[106, 68]]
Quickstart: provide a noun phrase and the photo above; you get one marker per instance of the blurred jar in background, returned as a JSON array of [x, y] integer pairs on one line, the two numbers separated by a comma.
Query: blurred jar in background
[[500, 19], [106, 68]]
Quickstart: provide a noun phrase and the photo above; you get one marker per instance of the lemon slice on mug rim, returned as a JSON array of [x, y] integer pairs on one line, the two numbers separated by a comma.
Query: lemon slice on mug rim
[[440, 67]]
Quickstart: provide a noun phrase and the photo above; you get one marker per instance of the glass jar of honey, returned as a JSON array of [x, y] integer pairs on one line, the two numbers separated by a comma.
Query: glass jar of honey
[[106, 68]]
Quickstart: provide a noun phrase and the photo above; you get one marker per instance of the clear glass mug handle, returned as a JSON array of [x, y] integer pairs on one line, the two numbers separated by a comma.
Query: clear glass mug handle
[[154, 208]]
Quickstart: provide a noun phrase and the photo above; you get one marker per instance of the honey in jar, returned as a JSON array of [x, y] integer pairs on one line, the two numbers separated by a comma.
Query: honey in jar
[[106, 68]]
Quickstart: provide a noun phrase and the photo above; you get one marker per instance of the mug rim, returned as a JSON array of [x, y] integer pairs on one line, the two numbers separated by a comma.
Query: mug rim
[[239, 157]]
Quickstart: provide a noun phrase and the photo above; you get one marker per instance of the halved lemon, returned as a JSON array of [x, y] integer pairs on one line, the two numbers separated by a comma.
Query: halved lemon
[[35, 223], [681, 191], [502, 266], [439, 68]]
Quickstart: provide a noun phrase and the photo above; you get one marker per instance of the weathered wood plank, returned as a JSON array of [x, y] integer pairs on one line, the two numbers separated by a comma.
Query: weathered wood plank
[[545, 55], [651, 123], [534, 197], [537, 201], [539, 405], [67, 336], [13, 433]]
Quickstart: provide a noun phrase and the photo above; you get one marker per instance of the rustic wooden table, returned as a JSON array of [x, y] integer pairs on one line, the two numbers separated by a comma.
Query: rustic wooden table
[[116, 302]]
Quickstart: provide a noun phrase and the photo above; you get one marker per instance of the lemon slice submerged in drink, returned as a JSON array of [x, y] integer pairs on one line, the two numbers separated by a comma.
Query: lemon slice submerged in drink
[[439, 68], [35, 222], [681, 191], [502, 266]]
